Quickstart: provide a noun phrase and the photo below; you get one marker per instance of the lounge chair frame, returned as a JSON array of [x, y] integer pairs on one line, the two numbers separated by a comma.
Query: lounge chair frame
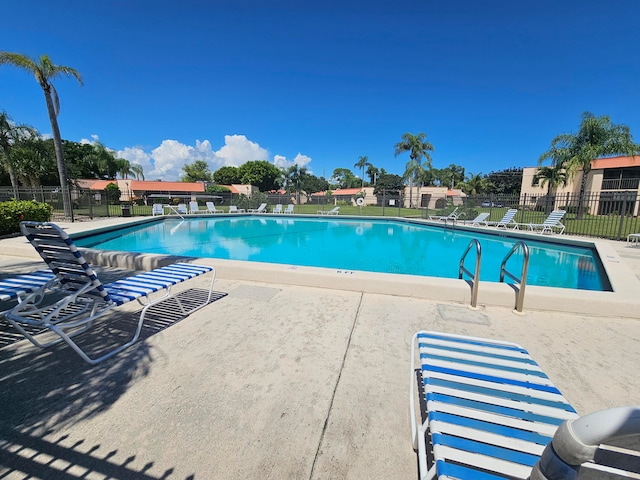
[[86, 297], [211, 208]]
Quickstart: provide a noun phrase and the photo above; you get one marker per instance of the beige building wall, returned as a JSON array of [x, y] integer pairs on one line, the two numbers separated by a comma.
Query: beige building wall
[[531, 194]]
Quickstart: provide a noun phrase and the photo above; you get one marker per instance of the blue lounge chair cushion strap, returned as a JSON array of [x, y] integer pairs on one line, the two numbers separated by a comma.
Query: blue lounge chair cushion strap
[[469, 341], [131, 288], [491, 407], [472, 446], [12, 287], [483, 426]]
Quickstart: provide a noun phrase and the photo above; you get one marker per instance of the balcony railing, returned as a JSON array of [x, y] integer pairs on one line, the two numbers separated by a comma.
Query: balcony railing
[[621, 184]]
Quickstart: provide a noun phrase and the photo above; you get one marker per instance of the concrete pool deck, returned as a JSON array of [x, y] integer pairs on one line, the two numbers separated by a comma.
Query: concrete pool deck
[[276, 381]]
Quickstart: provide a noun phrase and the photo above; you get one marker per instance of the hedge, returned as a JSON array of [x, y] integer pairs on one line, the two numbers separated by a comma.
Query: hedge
[[14, 211]]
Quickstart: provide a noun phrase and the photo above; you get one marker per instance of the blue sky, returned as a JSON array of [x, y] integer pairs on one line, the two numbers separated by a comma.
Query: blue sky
[[321, 83]]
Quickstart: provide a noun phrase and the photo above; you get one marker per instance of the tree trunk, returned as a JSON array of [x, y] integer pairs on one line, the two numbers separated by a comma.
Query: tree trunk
[[12, 174], [583, 187], [62, 166]]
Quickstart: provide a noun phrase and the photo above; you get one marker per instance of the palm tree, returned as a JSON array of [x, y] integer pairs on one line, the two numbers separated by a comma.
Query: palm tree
[[474, 184], [9, 134], [362, 163], [597, 137], [45, 70], [124, 168], [551, 176], [372, 173], [418, 147], [138, 171]]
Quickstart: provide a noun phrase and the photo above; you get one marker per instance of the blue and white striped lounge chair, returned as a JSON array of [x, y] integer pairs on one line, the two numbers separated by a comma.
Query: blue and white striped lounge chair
[[15, 288], [506, 221], [551, 224], [479, 221], [86, 297], [490, 409]]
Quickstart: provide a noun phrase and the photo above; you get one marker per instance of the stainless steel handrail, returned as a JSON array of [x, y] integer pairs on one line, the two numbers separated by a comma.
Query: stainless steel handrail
[[525, 268], [474, 277]]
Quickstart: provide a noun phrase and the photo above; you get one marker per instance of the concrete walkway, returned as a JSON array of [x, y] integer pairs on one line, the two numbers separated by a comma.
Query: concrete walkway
[[275, 381]]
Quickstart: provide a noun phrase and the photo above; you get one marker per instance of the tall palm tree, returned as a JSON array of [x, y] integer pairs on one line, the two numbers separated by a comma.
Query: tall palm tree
[[124, 168], [372, 173], [10, 133], [138, 171], [418, 147], [597, 137], [45, 70], [553, 177], [362, 163]]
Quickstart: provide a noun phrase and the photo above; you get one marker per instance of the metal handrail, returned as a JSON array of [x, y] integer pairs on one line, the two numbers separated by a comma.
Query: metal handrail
[[525, 268], [474, 277]]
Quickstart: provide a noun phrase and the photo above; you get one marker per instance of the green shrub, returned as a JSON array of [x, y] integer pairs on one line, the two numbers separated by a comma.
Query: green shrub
[[13, 212]]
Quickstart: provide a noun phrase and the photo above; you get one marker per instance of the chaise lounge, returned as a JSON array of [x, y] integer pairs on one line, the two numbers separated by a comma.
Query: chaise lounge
[[333, 211], [86, 298], [489, 412], [551, 224]]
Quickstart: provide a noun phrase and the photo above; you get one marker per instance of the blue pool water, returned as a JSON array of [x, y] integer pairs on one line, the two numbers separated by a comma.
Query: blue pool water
[[385, 246]]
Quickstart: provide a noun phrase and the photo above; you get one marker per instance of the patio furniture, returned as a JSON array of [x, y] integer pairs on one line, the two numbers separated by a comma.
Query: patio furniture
[[633, 239], [480, 220], [85, 298], [194, 208], [277, 208], [261, 209], [235, 209], [490, 409], [157, 209], [506, 221], [551, 224], [333, 211], [211, 208], [454, 215], [289, 208]]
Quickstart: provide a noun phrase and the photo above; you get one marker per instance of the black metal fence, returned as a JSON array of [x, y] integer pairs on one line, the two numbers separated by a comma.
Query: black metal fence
[[608, 214]]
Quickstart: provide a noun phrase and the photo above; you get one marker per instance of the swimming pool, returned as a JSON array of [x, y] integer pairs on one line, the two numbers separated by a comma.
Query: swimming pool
[[386, 246]]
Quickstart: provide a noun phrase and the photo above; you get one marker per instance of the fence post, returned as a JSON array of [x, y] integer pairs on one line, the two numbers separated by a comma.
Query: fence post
[[383, 200], [622, 215]]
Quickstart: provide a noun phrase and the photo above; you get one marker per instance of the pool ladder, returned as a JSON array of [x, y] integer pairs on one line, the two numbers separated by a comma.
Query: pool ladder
[[475, 277]]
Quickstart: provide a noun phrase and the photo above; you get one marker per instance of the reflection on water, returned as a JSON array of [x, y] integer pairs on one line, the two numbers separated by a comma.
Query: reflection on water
[[378, 246]]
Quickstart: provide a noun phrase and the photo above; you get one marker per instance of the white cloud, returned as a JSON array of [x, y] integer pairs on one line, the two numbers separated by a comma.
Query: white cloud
[[94, 139], [237, 149], [300, 160], [165, 162]]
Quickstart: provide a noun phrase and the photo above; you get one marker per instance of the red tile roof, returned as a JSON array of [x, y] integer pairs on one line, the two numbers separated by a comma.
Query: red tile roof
[[339, 191], [616, 162], [151, 186]]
